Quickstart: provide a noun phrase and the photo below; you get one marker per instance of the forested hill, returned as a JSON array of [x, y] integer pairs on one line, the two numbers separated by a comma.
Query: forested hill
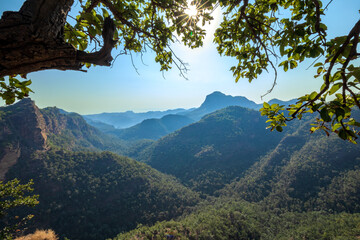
[[304, 172], [307, 186], [212, 152], [292, 169], [83, 195], [91, 196]]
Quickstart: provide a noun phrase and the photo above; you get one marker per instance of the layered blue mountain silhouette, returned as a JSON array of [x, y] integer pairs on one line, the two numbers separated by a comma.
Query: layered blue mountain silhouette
[[154, 125]]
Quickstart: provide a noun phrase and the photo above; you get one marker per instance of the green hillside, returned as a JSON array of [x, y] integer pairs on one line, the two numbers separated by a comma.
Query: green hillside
[[301, 173], [83, 195], [241, 220], [87, 195], [305, 187], [212, 152]]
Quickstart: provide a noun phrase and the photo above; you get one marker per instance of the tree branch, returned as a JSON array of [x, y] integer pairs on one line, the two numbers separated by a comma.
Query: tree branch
[[103, 56], [37, 45], [354, 32], [92, 5]]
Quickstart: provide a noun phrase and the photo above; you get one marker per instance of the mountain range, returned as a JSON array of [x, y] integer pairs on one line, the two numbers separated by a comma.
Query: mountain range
[[152, 128], [127, 119], [223, 177], [168, 121]]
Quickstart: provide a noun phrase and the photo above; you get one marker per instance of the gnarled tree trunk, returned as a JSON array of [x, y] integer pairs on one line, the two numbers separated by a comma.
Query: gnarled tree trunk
[[32, 40]]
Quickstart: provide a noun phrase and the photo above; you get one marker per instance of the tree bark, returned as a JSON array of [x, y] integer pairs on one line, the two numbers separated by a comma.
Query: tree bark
[[32, 40]]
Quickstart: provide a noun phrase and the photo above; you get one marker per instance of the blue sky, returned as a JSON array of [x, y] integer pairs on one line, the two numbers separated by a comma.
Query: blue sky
[[121, 88]]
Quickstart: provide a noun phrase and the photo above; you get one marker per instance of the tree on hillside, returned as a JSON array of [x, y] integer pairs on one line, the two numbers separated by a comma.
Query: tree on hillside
[[38, 37], [14, 195]]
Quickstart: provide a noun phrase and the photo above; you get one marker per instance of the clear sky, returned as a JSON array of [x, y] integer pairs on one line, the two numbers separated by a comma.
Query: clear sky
[[121, 88]]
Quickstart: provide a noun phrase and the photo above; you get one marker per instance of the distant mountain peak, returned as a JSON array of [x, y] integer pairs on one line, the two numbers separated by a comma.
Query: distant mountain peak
[[218, 100], [217, 93], [219, 96]]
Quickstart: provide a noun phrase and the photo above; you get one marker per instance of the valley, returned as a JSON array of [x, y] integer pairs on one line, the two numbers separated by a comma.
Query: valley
[[212, 172]]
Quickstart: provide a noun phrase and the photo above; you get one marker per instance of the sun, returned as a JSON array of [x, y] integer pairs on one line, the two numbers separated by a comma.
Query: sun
[[191, 10]]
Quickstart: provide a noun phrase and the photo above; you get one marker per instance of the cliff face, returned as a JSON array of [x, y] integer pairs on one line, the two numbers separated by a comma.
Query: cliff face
[[9, 159], [22, 130], [23, 124], [26, 125], [54, 121]]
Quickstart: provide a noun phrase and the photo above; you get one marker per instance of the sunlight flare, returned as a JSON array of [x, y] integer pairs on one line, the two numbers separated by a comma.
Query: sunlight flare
[[191, 11]]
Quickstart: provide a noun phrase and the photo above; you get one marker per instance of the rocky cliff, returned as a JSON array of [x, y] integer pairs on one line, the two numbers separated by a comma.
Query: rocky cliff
[[25, 128], [22, 124]]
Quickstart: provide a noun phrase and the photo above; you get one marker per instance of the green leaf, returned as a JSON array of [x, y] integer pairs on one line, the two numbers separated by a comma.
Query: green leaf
[[340, 113], [92, 31], [334, 88], [312, 95], [325, 115], [293, 64], [266, 105], [335, 127], [342, 134], [319, 70], [286, 66], [313, 129]]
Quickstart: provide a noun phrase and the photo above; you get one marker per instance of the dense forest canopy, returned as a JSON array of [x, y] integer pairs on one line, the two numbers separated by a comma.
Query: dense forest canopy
[[255, 32]]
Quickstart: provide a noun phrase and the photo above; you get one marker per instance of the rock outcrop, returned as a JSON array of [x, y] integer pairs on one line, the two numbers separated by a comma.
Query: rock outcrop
[[23, 124]]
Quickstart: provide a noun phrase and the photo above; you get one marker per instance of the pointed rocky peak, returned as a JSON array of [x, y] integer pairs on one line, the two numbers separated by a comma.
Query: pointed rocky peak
[[216, 93], [215, 96], [219, 100]]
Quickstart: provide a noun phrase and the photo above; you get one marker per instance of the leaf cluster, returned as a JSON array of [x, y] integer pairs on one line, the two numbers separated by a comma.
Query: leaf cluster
[[12, 88], [258, 33]]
